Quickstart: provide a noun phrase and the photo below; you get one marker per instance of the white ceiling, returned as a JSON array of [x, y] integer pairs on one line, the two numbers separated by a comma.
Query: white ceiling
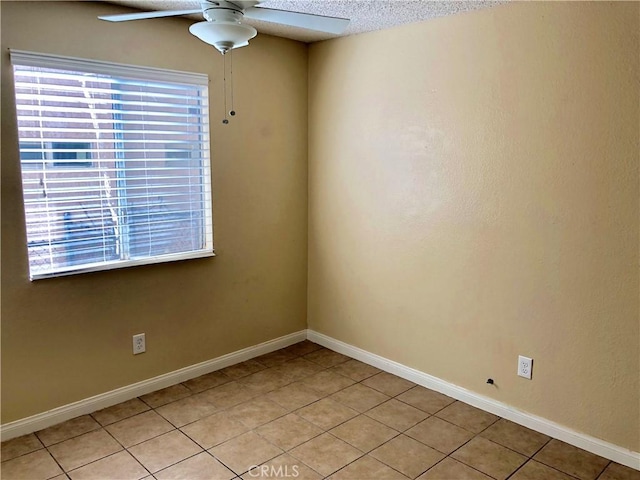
[[365, 15]]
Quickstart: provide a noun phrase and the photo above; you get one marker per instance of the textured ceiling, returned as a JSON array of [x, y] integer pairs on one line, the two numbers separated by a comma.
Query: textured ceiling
[[365, 15]]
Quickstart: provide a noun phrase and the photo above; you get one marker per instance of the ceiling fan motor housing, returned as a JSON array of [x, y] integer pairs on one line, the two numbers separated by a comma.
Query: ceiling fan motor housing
[[222, 12], [223, 28]]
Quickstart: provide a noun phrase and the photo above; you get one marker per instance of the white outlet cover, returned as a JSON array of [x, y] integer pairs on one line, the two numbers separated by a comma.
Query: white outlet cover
[[139, 344], [525, 365]]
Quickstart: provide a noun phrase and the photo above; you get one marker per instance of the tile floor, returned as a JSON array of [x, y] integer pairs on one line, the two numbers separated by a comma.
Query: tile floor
[[302, 412]]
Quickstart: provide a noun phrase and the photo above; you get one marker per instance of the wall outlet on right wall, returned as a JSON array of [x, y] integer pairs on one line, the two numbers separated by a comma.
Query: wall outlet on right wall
[[525, 365], [139, 344]]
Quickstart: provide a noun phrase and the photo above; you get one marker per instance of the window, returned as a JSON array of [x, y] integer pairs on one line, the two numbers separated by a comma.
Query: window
[[115, 164]]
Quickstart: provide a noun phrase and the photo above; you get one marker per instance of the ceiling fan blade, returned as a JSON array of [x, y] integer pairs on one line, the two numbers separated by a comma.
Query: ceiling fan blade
[[301, 20], [144, 15]]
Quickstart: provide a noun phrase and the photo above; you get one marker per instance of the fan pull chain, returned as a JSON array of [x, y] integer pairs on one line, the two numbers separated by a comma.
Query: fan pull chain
[[224, 88], [232, 112]]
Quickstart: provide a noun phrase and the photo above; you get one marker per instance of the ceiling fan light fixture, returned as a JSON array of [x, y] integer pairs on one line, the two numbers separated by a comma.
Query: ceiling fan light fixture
[[223, 36]]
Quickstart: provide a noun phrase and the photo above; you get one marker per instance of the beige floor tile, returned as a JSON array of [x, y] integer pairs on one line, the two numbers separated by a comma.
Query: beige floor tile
[[243, 369], [355, 370], [397, 415], [283, 467], [139, 428], [275, 358], [242, 452], [33, 466], [289, 431], [294, 396], [205, 382], [443, 436], [302, 348], [165, 450], [367, 468], [66, 430], [19, 446], [359, 397], [120, 465], [364, 433], [388, 384], [326, 358], [79, 451], [515, 437], [450, 469], [326, 413], [490, 458], [615, 471], [61, 477], [467, 417], [327, 382], [533, 470], [425, 399], [118, 412], [228, 395], [213, 430], [166, 395], [199, 467], [265, 381], [407, 455], [571, 460], [298, 368], [326, 454], [256, 412], [187, 410]]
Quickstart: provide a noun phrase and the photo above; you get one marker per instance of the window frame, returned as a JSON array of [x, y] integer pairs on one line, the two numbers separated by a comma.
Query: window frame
[[142, 73]]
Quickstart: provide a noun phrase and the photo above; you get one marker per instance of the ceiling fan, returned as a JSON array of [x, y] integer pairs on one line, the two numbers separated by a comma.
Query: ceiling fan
[[224, 29]]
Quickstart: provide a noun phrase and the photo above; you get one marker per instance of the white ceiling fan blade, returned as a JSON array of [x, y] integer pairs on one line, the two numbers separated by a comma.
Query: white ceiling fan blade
[[144, 15], [301, 20]]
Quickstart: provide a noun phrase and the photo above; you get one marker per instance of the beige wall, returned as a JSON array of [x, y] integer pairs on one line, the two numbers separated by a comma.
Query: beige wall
[[473, 195], [70, 338]]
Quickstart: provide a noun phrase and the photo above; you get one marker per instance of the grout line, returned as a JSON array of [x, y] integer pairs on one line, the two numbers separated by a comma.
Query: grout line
[[603, 470], [436, 464], [42, 447], [518, 469], [543, 445], [146, 439], [168, 466], [68, 438], [471, 467], [55, 460], [221, 463]]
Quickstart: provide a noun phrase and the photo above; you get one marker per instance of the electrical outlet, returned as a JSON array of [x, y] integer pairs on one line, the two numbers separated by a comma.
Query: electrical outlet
[[139, 344], [525, 365]]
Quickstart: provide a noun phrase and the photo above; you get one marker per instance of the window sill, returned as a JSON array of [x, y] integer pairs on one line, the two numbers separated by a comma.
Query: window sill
[[98, 267]]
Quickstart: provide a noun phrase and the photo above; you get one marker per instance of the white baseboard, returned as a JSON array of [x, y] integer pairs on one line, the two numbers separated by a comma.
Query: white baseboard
[[539, 424], [107, 399]]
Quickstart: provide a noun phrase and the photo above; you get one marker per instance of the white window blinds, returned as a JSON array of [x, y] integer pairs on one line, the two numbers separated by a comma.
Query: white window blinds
[[115, 164]]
